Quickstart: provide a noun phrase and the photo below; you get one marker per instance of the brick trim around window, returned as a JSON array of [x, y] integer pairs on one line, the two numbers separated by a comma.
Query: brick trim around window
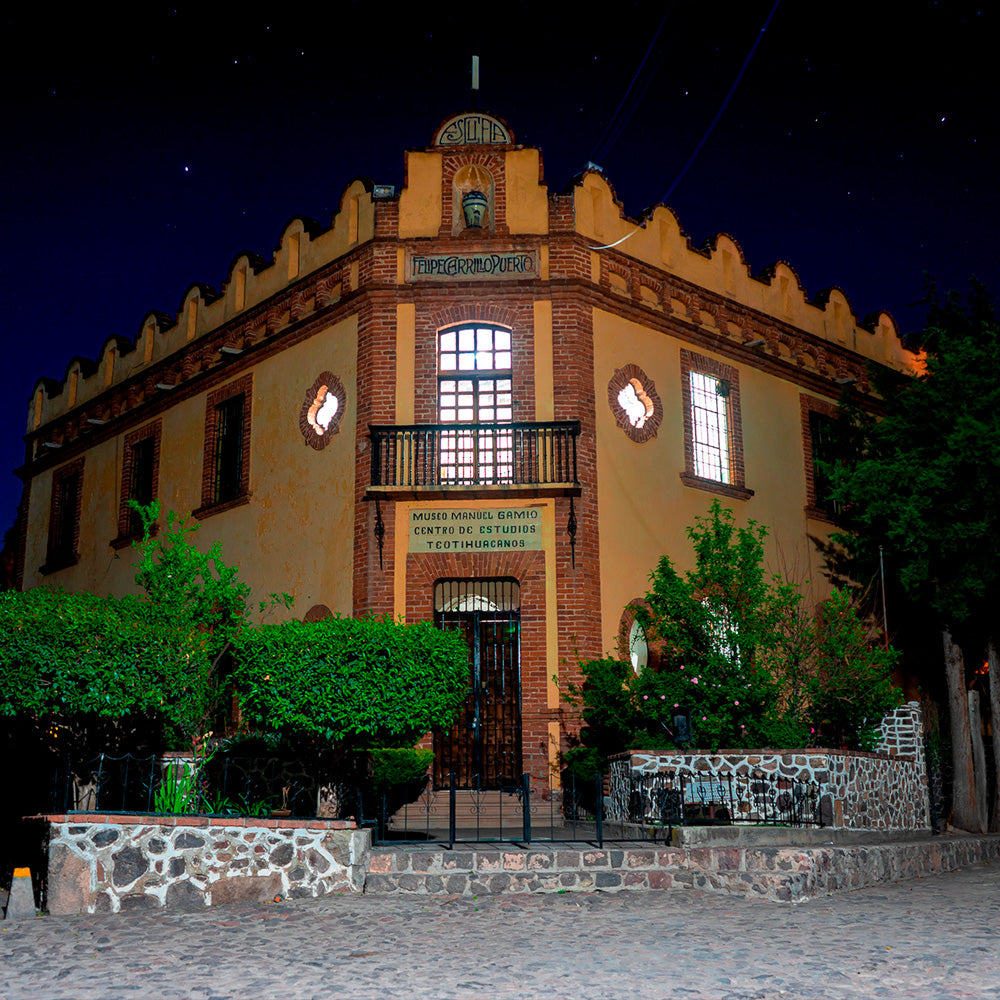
[[210, 500], [809, 405], [127, 529], [737, 488], [64, 518]]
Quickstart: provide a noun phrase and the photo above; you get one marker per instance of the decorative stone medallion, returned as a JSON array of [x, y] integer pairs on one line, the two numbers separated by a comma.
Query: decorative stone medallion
[[635, 403], [322, 410]]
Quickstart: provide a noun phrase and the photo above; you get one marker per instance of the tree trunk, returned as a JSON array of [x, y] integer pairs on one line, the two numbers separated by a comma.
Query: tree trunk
[[965, 814], [994, 686], [979, 759]]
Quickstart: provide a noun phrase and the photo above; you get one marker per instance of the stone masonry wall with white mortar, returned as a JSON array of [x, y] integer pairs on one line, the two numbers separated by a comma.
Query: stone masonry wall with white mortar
[[885, 790], [106, 863]]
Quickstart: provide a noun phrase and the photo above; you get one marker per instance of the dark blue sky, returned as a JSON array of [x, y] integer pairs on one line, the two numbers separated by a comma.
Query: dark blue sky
[[143, 153]]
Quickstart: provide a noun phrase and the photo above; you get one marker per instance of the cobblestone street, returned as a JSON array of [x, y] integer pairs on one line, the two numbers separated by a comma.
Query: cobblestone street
[[929, 938]]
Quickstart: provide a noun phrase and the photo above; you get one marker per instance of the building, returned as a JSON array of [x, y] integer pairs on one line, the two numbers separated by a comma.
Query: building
[[472, 399]]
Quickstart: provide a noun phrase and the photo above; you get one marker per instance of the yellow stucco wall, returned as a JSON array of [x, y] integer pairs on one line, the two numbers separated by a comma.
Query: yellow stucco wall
[[420, 201], [297, 533], [645, 508], [527, 199]]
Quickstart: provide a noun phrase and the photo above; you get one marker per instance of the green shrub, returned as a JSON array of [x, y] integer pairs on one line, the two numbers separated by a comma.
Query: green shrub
[[399, 766], [356, 682]]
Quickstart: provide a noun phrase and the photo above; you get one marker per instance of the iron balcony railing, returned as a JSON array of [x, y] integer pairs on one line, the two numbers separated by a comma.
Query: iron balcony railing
[[443, 455]]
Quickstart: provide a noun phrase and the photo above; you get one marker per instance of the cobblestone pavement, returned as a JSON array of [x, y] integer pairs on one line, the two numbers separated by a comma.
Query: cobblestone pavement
[[929, 938]]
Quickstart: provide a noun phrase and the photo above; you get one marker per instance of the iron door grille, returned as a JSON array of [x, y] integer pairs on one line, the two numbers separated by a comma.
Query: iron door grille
[[483, 748]]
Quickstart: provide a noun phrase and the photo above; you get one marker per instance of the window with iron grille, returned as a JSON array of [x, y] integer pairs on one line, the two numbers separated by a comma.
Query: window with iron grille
[[64, 517], [710, 427], [226, 463], [713, 426], [140, 472], [229, 449], [475, 387], [821, 439]]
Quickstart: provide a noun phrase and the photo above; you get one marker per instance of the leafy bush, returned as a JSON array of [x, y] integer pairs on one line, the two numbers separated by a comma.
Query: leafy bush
[[399, 766], [852, 687], [358, 682], [737, 650], [75, 658]]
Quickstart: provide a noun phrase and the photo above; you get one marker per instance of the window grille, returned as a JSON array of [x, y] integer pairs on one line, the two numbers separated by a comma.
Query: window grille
[[710, 425]]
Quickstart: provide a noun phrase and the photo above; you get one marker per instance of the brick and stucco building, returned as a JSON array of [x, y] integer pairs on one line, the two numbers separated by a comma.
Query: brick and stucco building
[[473, 398]]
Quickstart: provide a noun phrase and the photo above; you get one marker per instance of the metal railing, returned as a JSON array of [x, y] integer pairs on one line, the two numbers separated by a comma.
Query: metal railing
[[627, 806], [514, 454]]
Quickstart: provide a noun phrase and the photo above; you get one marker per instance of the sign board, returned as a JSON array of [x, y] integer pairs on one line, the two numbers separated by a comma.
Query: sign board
[[705, 790], [473, 128], [505, 264], [492, 529]]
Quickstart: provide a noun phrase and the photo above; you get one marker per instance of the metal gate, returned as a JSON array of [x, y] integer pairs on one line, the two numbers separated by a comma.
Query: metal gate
[[483, 748]]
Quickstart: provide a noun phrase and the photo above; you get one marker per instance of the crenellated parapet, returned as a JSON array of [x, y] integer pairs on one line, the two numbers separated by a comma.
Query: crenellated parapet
[[647, 268], [258, 296], [654, 260]]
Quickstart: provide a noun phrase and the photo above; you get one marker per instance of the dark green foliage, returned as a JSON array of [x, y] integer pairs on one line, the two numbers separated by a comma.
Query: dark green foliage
[[737, 650], [851, 688], [68, 660], [924, 479], [362, 682], [721, 631], [399, 765]]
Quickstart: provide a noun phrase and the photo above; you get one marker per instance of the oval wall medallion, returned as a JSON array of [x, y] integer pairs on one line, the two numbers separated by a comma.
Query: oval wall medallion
[[322, 410], [635, 403]]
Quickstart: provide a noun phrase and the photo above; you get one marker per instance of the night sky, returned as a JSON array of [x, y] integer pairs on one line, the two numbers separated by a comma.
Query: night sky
[[143, 153]]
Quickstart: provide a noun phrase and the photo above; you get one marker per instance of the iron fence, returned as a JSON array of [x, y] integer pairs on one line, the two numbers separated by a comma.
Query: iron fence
[[624, 806]]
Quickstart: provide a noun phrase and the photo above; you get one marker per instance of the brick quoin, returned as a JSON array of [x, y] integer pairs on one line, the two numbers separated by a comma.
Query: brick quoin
[[423, 570]]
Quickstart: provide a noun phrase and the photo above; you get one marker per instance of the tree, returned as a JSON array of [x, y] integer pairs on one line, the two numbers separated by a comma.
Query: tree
[[924, 482], [736, 648], [197, 597]]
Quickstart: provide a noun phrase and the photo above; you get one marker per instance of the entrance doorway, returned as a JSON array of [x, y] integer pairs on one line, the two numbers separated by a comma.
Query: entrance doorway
[[483, 748]]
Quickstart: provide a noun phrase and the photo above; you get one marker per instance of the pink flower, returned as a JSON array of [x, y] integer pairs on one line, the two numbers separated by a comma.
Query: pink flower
[[694, 680], [742, 727], [682, 666], [704, 718], [645, 697], [735, 702], [663, 697], [676, 705], [811, 730]]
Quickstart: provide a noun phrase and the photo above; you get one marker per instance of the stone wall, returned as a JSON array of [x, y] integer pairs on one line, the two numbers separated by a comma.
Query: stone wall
[[782, 874], [885, 790], [102, 863]]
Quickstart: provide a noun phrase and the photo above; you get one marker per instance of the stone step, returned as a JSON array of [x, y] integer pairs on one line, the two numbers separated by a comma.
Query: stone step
[[777, 872]]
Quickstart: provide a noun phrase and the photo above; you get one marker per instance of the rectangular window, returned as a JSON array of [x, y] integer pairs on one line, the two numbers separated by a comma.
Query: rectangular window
[[226, 461], [64, 517], [228, 449], [710, 427], [140, 474], [819, 449], [713, 428]]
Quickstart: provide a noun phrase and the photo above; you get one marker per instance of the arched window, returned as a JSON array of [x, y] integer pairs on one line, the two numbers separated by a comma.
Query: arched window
[[475, 387]]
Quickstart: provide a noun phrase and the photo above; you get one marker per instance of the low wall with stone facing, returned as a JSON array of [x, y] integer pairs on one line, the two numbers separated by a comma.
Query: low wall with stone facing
[[105, 863], [782, 874], [886, 790]]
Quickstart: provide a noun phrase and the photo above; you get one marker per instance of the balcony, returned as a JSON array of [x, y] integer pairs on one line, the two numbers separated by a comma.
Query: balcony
[[432, 461]]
